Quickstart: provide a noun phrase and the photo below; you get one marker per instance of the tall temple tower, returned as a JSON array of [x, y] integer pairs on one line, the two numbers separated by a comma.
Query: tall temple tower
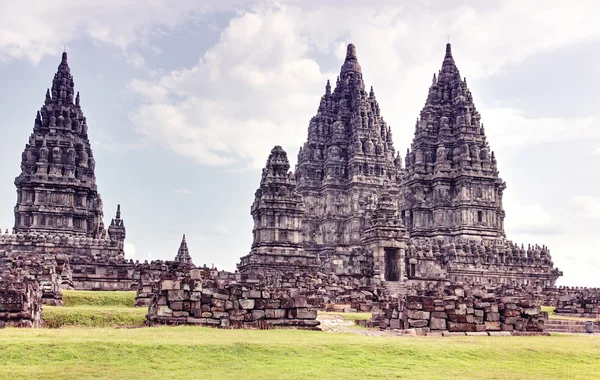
[[451, 187], [347, 159], [56, 190]]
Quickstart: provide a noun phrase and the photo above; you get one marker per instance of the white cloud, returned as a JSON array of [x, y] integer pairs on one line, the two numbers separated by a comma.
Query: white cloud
[[182, 191], [261, 83], [130, 252], [530, 220], [587, 207], [32, 29], [511, 128], [246, 94]]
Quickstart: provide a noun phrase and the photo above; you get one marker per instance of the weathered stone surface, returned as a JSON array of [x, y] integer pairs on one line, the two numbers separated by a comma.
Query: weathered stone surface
[[437, 323]]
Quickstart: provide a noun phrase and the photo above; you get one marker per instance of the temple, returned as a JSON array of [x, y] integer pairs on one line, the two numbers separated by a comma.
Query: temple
[[59, 211], [451, 187], [362, 214], [183, 254]]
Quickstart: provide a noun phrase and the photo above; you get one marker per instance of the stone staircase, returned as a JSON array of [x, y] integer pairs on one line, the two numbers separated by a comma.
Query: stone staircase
[[568, 326]]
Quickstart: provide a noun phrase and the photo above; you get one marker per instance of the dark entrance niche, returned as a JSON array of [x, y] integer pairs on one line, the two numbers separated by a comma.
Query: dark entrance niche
[[392, 272]]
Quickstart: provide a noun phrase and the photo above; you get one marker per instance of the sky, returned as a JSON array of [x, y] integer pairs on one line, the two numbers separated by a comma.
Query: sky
[[184, 100]]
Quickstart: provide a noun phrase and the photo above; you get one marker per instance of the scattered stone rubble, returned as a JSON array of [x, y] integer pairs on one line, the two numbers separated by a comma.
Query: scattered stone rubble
[[579, 302], [196, 300], [458, 309]]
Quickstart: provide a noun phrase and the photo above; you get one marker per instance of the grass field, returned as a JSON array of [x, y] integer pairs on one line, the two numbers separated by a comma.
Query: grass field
[[89, 346], [202, 353], [97, 298]]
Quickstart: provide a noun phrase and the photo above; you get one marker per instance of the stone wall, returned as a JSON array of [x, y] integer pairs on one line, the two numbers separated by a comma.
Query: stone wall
[[20, 301], [199, 301], [92, 274], [41, 268], [324, 291], [458, 309], [583, 302], [147, 278]]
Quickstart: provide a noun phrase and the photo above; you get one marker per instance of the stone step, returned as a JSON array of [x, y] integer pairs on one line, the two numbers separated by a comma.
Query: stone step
[[566, 322]]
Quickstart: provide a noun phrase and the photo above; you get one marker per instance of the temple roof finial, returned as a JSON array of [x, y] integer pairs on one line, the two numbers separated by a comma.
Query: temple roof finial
[[351, 63], [448, 50]]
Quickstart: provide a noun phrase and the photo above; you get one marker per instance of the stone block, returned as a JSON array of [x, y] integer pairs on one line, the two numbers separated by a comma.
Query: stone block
[[506, 327], [275, 313], [176, 295], [221, 296], [164, 311], [417, 322], [460, 327], [252, 294], [258, 314], [437, 323], [418, 314], [492, 326], [304, 313], [246, 304], [492, 317]]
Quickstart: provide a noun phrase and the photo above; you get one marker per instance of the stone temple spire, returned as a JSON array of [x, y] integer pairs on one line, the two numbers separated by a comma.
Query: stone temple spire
[[116, 230], [347, 158], [56, 190], [451, 157], [183, 254]]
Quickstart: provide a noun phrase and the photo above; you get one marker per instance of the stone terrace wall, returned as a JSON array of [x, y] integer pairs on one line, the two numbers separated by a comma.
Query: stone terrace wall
[[462, 310], [20, 301], [584, 302], [200, 301]]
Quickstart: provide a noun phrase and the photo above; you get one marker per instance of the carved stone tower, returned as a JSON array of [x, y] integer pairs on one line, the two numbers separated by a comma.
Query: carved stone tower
[[451, 187], [342, 166], [277, 212], [56, 190]]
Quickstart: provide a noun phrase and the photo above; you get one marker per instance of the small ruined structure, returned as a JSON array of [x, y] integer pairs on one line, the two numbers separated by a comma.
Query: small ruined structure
[[277, 212], [385, 240], [365, 215], [198, 300], [20, 299], [456, 309]]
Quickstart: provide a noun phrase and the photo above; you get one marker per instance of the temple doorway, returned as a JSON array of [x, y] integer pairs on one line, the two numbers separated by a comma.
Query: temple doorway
[[392, 272]]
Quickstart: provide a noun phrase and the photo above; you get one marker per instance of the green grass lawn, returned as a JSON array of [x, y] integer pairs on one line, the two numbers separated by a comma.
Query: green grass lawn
[[94, 316], [98, 298], [204, 353]]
